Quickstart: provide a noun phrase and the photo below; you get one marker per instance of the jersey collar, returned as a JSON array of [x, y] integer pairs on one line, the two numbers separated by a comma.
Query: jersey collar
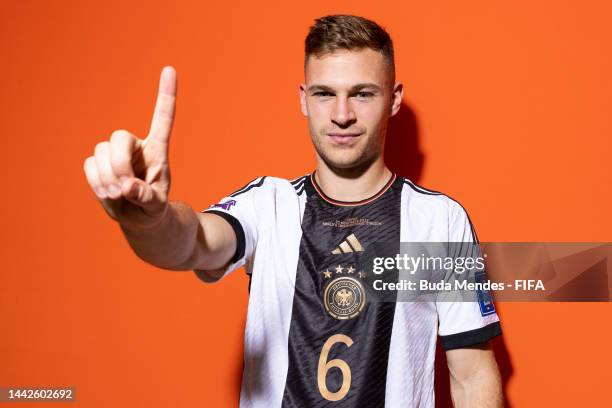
[[319, 191]]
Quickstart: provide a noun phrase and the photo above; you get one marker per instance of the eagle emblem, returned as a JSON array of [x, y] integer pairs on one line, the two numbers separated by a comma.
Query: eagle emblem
[[344, 298]]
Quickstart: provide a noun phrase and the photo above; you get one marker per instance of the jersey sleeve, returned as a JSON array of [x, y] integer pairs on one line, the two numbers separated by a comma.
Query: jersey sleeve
[[238, 209], [465, 323]]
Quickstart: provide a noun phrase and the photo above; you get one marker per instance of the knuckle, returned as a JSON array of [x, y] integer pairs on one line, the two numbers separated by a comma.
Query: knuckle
[[101, 148], [119, 162], [120, 159], [91, 171], [89, 161], [120, 135]]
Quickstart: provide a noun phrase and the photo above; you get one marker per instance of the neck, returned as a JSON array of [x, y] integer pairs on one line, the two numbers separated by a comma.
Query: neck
[[353, 184]]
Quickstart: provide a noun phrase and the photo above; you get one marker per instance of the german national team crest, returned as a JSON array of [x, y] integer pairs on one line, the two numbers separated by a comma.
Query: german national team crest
[[344, 297]]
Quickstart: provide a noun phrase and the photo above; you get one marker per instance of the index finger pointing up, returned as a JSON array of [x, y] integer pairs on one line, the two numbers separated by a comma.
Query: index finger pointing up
[[161, 125]]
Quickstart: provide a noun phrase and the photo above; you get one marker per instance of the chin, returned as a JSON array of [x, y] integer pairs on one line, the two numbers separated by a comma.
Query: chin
[[341, 159], [344, 161]]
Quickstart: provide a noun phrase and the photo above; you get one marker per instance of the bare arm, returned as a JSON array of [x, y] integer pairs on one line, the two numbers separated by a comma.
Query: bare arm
[[475, 379], [184, 240], [131, 179]]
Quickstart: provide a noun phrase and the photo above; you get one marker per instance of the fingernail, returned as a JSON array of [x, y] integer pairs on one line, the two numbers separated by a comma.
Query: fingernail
[[113, 190], [100, 192], [135, 192]]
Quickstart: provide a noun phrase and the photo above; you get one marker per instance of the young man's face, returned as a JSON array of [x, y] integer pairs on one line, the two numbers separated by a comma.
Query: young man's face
[[348, 97]]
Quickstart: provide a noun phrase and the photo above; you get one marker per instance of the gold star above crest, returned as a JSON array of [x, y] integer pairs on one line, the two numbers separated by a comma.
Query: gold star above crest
[[350, 269], [327, 273], [362, 274], [339, 269]]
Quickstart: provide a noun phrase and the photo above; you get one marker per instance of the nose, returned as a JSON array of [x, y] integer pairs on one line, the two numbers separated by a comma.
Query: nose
[[343, 114]]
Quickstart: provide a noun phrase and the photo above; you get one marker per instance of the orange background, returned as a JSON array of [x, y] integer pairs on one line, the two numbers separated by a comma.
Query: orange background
[[507, 109]]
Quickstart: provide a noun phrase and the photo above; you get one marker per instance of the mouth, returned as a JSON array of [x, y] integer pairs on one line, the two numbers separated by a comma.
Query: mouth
[[344, 138]]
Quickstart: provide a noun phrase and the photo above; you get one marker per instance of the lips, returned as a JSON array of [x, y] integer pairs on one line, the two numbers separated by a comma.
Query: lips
[[343, 138]]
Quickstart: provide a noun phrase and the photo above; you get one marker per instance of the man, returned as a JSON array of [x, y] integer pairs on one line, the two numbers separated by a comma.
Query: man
[[312, 339]]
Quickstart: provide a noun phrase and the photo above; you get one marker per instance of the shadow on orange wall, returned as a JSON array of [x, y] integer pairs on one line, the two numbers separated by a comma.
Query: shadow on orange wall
[[402, 153], [403, 156]]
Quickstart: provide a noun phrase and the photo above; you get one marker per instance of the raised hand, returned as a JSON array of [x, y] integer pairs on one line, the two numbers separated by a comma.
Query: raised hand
[[131, 176]]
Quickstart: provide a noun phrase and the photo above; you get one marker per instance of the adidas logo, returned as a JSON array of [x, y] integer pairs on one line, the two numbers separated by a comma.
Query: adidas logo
[[350, 244]]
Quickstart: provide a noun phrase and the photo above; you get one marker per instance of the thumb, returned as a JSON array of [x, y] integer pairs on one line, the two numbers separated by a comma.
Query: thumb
[[141, 194]]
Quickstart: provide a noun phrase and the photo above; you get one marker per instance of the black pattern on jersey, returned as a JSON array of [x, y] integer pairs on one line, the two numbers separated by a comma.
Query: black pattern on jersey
[[327, 227], [298, 184], [249, 186]]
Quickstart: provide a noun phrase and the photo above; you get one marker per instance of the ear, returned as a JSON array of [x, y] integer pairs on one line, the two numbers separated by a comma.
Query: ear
[[303, 100], [398, 95]]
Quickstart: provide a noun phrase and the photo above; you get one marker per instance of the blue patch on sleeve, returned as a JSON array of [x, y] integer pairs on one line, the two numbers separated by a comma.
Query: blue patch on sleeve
[[485, 301]]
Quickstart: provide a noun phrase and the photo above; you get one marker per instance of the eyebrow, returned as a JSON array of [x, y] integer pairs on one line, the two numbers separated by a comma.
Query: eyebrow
[[354, 88]]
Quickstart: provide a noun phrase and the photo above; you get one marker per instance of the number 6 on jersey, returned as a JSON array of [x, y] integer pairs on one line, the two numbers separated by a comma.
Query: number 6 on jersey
[[325, 366]]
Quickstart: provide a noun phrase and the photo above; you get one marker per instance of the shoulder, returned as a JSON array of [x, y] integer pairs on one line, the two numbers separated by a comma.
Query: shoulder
[[430, 199], [264, 186], [437, 206]]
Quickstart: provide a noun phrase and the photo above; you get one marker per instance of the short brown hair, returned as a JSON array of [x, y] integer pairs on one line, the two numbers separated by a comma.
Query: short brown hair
[[346, 32]]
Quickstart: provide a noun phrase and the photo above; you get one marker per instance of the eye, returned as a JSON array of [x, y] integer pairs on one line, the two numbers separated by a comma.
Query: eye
[[364, 94], [322, 94]]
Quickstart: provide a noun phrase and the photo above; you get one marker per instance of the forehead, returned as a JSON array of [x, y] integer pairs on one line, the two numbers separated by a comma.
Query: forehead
[[347, 67]]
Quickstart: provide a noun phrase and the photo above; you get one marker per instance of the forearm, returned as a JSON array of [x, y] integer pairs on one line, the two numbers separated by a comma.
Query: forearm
[[170, 242]]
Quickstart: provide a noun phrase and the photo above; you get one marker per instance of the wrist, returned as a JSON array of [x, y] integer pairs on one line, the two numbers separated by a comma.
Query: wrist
[[147, 222]]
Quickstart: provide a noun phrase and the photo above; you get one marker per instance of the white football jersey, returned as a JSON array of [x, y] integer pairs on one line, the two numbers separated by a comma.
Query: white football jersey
[[312, 339]]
